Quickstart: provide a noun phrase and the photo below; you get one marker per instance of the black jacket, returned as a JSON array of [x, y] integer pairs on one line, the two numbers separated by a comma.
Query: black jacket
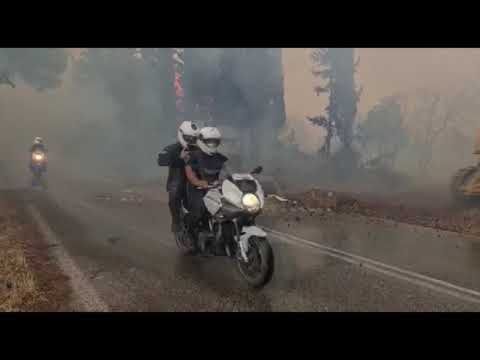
[[207, 167], [170, 156], [38, 147]]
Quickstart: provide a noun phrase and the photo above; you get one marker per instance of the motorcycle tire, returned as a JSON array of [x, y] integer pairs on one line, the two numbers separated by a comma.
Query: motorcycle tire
[[259, 249]]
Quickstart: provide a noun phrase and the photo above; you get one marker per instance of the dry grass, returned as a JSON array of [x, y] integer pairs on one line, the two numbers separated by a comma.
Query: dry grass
[[28, 280]]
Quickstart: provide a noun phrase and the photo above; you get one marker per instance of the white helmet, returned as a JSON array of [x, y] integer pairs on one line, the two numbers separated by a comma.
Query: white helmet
[[209, 139], [38, 140], [187, 133]]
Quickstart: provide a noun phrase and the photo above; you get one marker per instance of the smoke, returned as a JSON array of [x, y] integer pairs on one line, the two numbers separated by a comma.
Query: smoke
[[87, 129], [451, 74], [73, 122], [40, 68], [240, 89], [109, 114]]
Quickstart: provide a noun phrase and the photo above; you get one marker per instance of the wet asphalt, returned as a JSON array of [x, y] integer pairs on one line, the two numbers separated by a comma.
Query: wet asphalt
[[130, 257]]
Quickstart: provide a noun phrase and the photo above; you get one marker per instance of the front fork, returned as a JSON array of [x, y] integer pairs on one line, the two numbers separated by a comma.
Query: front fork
[[243, 235]]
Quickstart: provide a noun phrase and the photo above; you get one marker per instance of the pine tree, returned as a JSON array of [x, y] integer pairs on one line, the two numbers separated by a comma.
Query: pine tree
[[336, 69]]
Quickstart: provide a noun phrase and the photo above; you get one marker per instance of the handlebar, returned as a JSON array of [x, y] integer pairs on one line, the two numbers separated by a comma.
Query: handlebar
[[210, 186]]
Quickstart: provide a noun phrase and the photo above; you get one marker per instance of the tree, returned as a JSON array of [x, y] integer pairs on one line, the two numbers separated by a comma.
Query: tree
[[161, 66], [140, 81], [119, 71], [383, 133], [201, 77], [41, 69], [336, 69], [238, 87], [329, 125], [177, 55], [258, 75], [432, 115], [139, 85]]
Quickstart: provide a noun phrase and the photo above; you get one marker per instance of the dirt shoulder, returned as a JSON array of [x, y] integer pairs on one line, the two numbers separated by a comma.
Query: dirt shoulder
[[428, 210], [30, 279]]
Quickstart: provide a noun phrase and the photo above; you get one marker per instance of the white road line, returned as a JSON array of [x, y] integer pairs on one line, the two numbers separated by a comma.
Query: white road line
[[85, 293], [389, 270]]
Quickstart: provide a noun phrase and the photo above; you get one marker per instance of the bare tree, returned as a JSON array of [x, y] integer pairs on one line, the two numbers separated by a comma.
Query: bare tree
[[433, 115]]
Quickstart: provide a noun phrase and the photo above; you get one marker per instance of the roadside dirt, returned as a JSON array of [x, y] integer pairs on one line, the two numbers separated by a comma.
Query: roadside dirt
[[29, 279], [433, 210], [430, 207]]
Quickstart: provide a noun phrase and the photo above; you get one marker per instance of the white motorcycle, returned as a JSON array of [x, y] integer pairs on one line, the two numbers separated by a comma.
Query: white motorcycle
[[232, 207]]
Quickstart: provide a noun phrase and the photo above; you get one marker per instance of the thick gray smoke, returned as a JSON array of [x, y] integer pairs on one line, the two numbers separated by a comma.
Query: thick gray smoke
[[39, 68], [100, 117], [108, 112], [419, 75], [241, 89]]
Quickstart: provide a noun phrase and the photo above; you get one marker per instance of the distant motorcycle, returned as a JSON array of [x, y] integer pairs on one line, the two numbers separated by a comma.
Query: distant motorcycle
[[232, 207], [38, 166]]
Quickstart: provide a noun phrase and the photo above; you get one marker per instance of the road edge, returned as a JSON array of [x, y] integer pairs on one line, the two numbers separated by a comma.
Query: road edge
[[85, 298], [440, 286]]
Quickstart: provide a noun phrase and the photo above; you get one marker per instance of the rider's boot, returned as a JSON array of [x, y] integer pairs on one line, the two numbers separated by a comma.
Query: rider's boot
[[203, 238]]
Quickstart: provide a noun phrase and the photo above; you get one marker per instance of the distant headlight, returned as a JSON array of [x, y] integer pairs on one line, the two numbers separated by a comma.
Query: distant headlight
[[251, 203], [38, 157]]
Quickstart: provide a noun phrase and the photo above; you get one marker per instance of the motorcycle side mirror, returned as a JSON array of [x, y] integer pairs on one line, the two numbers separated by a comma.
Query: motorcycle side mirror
[[257, 170]]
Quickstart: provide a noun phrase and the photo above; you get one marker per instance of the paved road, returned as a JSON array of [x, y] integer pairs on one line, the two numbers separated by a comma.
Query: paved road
[[128, 253]]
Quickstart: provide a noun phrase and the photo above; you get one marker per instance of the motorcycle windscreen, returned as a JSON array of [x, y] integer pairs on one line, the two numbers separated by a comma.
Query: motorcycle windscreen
[[232, 193], [213, 201], [246, 179]]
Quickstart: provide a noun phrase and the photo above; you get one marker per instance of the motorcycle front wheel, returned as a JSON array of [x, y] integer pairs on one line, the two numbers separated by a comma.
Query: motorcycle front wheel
[[258, 271]]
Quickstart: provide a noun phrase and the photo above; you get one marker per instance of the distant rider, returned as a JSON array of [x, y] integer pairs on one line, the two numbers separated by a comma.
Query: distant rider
[[174, 156], [37, 146]]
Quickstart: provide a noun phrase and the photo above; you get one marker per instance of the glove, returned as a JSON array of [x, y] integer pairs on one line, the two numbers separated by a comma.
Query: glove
[[184, 155]]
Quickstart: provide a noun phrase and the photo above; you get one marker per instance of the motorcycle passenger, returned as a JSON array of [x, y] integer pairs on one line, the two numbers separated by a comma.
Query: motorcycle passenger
[[174, 156], [203, 169]]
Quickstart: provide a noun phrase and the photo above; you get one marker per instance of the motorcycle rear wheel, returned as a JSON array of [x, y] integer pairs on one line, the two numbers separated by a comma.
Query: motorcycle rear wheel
[[258, 271]]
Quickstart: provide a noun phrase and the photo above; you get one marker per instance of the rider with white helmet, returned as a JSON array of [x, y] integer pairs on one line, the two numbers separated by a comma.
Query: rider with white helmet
[[174, 157], [203, 169], [187, 134], [38, 145], [209, 140]]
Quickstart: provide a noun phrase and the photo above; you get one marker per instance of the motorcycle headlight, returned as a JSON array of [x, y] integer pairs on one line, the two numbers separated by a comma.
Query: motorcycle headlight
[[251, 203], [38, 157]]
